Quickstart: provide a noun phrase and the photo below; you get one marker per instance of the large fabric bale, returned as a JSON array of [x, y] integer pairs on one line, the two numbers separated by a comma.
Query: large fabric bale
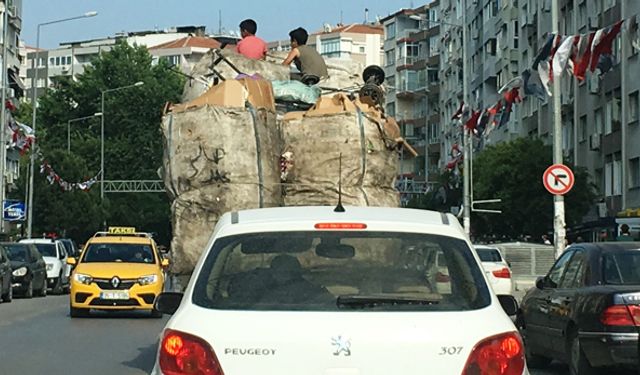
[[315, 141], [204, 77], [217, 159]]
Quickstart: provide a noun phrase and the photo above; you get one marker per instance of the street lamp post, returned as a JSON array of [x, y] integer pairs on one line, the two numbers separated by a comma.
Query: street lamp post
[[34, 81], [74, 120], [140, 83]]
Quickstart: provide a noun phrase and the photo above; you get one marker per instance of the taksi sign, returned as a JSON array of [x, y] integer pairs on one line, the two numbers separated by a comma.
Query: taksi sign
[[122, 230], [558, 179], [13, 210]]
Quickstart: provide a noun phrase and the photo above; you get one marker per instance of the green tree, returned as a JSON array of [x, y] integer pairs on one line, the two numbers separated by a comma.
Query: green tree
[[133, 144], [512, 171]]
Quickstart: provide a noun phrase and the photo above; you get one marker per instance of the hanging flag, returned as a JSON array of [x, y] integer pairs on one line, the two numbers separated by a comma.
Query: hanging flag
[[603, 46], [493, 112], [483, 120], [605, 63], [633, 34], [543, 73], [532, 85], [556, 44], [544, 52], [584, 59], [565, 50], [472, 122]]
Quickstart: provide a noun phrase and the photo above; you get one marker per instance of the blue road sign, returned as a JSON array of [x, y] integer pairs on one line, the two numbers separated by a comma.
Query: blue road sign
[[14, 210]]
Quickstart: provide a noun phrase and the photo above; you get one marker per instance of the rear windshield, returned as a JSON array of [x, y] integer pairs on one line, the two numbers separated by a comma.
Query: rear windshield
[[68, 246], [17, 253], [622, 268], [331, 271], [127, 253], [47, 249], [489, 255]]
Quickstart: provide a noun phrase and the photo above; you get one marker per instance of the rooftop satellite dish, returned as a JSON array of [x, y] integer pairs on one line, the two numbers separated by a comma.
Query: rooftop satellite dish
[[327, 28]]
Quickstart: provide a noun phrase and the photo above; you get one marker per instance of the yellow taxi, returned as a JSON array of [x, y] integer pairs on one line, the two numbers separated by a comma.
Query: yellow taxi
[[120, 269]]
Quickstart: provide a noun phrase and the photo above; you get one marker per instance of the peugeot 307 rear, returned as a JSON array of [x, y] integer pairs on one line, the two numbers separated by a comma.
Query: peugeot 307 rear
[[306, 290]]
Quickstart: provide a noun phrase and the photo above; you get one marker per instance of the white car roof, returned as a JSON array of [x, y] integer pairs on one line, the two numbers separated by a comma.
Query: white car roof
[[37, 240], [376, 218]]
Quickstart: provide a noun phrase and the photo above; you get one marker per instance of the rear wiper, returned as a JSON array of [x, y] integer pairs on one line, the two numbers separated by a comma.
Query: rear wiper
[[377, 300]]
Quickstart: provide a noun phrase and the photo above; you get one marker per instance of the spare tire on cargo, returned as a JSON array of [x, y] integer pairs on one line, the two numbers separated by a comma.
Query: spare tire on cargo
[[316, 140], [218, 159]]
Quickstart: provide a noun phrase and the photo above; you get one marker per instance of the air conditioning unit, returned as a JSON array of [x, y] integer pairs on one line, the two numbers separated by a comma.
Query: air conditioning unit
[[594, 142], [9, 179]]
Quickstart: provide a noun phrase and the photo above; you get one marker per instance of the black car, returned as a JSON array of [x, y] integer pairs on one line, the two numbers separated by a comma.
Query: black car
[[6, 291], [586, 311], [29, 271]]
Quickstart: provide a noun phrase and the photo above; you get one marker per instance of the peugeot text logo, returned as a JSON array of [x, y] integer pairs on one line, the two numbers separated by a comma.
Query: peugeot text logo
[[115, 281], [342, 345]]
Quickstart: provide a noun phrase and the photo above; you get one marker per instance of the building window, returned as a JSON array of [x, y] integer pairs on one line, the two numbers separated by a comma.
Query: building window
[[52, 61], [362, 49], [390, 31], [390, 57], [68, 60], [634, 172], [634, 107], [598, 122], [617, 177], [608, 179], [582, 133], [330, 46]]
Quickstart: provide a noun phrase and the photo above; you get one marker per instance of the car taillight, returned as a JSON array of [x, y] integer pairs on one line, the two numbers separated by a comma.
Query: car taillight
[[621, 315], [182, 353], [502, 273], [442, 278], [497, 355]]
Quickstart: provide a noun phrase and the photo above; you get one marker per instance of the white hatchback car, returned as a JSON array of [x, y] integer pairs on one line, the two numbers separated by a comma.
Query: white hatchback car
[[307, 290], [497, 269], [55, 256]]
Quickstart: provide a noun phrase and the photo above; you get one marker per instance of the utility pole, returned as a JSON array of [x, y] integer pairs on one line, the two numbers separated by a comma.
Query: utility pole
[[3, 111], [625, 107], [466, 139], [558, 200]]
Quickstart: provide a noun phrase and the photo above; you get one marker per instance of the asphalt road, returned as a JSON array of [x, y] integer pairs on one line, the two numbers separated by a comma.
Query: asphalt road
[[38, 337]]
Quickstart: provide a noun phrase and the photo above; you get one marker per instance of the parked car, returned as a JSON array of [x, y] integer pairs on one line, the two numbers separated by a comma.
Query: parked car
[[318, 291], [497, 269], [70, 247], [55, 256], [6, 290], [29, 270], [586, 310]]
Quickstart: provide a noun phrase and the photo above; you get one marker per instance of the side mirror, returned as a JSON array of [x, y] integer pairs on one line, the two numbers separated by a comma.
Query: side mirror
[[168, 302], [164, 263], [71, 261], [509, 304], [540, 282]]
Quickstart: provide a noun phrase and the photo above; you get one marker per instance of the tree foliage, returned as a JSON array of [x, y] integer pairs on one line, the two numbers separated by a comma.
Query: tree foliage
[[133, 144], [512, 171]]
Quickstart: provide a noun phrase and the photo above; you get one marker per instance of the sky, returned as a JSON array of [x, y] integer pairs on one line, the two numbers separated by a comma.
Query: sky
[[275, 18]]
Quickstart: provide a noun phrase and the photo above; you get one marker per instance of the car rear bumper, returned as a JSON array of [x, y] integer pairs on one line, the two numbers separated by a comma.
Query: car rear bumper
[[606, 349], [90, 297]]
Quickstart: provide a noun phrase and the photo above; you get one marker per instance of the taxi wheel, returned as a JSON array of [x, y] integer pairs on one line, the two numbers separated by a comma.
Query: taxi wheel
[[75, 312], [156, 314]]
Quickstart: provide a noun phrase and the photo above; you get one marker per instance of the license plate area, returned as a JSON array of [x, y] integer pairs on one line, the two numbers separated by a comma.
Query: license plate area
[[119, 295]]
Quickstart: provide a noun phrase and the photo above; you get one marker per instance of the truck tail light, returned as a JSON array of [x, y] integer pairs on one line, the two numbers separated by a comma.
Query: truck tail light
[[621, 315], [502, 273], [182, 354], [497, 355]]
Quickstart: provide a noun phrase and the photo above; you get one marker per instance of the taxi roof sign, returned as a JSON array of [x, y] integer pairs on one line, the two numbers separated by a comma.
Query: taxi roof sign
[[122, 230]]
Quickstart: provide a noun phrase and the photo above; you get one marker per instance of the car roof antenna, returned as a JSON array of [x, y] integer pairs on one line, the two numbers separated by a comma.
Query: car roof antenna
[[339, 207]]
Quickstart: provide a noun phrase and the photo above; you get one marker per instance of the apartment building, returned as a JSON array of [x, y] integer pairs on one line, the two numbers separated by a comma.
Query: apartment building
[[413, 67], [71, 58]]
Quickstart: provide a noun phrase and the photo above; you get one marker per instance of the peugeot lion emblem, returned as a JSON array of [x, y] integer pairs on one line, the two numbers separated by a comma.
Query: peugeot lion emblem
[[115, 281], [342, 345]]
